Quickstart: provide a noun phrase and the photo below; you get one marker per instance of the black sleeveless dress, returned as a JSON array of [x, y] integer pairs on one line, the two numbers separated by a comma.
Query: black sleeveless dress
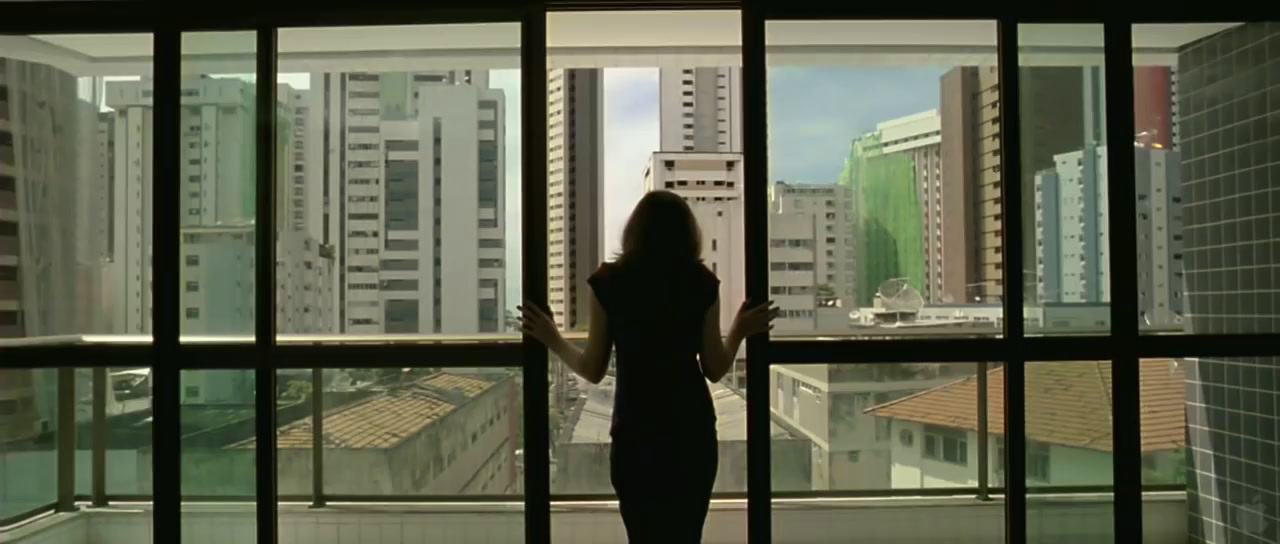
[[664, 455]]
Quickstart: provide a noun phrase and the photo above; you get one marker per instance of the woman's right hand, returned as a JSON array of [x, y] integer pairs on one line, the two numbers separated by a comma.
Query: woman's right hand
[[538, 324], [752, 320]]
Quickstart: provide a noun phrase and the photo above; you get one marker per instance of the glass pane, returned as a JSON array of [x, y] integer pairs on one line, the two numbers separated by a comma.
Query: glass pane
[[414, 431], [1068, 440], [876, 426], [75, 179], [1064, 183], [217, 178], [1206, 191], [399, 185], [128, 410], [884, 151], [28, 439], [218, 459], [632, 111]]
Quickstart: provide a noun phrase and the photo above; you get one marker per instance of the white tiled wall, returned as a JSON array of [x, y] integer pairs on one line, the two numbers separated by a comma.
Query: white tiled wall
[[922, 520]]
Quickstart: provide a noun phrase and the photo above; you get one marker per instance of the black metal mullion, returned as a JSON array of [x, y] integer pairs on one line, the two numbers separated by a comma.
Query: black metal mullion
[[533, 187], [1122, 224], [1011, 201], [984, 452], [98, 422], [65, 437], [317, 438], [166, 251], [756, 233], [265, 286]]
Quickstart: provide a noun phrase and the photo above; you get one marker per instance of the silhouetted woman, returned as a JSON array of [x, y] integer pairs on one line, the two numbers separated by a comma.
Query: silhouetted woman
[[659, 305]]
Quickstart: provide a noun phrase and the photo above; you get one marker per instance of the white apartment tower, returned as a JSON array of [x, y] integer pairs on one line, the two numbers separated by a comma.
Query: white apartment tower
[[218, 176], [1072, 248], [811, 255], [700, 109], [575, 185], [712, 185], [414, 168]]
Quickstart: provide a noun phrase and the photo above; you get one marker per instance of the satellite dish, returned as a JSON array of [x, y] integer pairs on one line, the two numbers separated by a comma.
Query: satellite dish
[[898, 296]]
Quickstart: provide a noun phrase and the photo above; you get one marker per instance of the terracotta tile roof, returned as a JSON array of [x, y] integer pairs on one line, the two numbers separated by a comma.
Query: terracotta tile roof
[[1068, 403], [384, 419], [463, 384]]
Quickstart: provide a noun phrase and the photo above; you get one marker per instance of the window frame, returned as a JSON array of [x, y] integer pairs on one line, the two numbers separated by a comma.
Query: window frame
[[267, 354]]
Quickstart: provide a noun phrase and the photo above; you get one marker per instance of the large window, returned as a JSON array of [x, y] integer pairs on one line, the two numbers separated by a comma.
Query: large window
[[618, 126], [399, 152], [884, 197], [252, 246]]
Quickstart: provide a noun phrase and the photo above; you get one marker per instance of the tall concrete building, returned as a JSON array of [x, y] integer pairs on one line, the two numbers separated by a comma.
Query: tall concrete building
[[712, 185], [51, 246], [700, 109], [51, 251], [1072, 247], [1231, 194], [1062, 112], [893, 175], [414, 166], [575, 185], [811, 270], [217, 252]]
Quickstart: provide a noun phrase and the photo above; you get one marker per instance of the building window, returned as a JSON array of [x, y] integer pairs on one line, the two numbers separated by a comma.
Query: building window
[[1038, 461], [192, 391], [193, 286], [947, 445], [193, 313]]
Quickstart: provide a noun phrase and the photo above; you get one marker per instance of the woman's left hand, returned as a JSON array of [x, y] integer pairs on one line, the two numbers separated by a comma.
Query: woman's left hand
[[538, 324]]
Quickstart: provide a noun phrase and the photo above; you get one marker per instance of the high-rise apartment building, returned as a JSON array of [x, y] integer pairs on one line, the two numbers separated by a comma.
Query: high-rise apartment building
[[971, 215], [811, 268], [575, 186], [417, 185], [51, 248], [894, 176], [700, 109], [712, 185], [1072, 247], [218, 232], [1055, 101], [1227, 137], [51, 251]]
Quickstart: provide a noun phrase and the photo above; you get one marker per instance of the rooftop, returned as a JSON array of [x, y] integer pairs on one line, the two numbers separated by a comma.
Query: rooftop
[[1068, 403], [731, 415], [385, 419]]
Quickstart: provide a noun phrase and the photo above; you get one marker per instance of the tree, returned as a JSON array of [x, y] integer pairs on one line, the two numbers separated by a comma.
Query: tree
[[510, 321]]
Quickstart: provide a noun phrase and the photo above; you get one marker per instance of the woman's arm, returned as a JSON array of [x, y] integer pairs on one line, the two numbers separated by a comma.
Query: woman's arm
[[717, 353], [590, 363]]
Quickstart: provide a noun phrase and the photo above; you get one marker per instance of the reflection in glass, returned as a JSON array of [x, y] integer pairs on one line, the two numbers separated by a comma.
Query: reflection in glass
[[28, 439], [75, 227]]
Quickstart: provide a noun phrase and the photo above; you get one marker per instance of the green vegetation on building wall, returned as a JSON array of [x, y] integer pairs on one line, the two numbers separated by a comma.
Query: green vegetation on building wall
[[887, 231]]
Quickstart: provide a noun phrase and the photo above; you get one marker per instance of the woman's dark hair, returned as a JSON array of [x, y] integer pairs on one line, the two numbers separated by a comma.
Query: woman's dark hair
[[661, 231]]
